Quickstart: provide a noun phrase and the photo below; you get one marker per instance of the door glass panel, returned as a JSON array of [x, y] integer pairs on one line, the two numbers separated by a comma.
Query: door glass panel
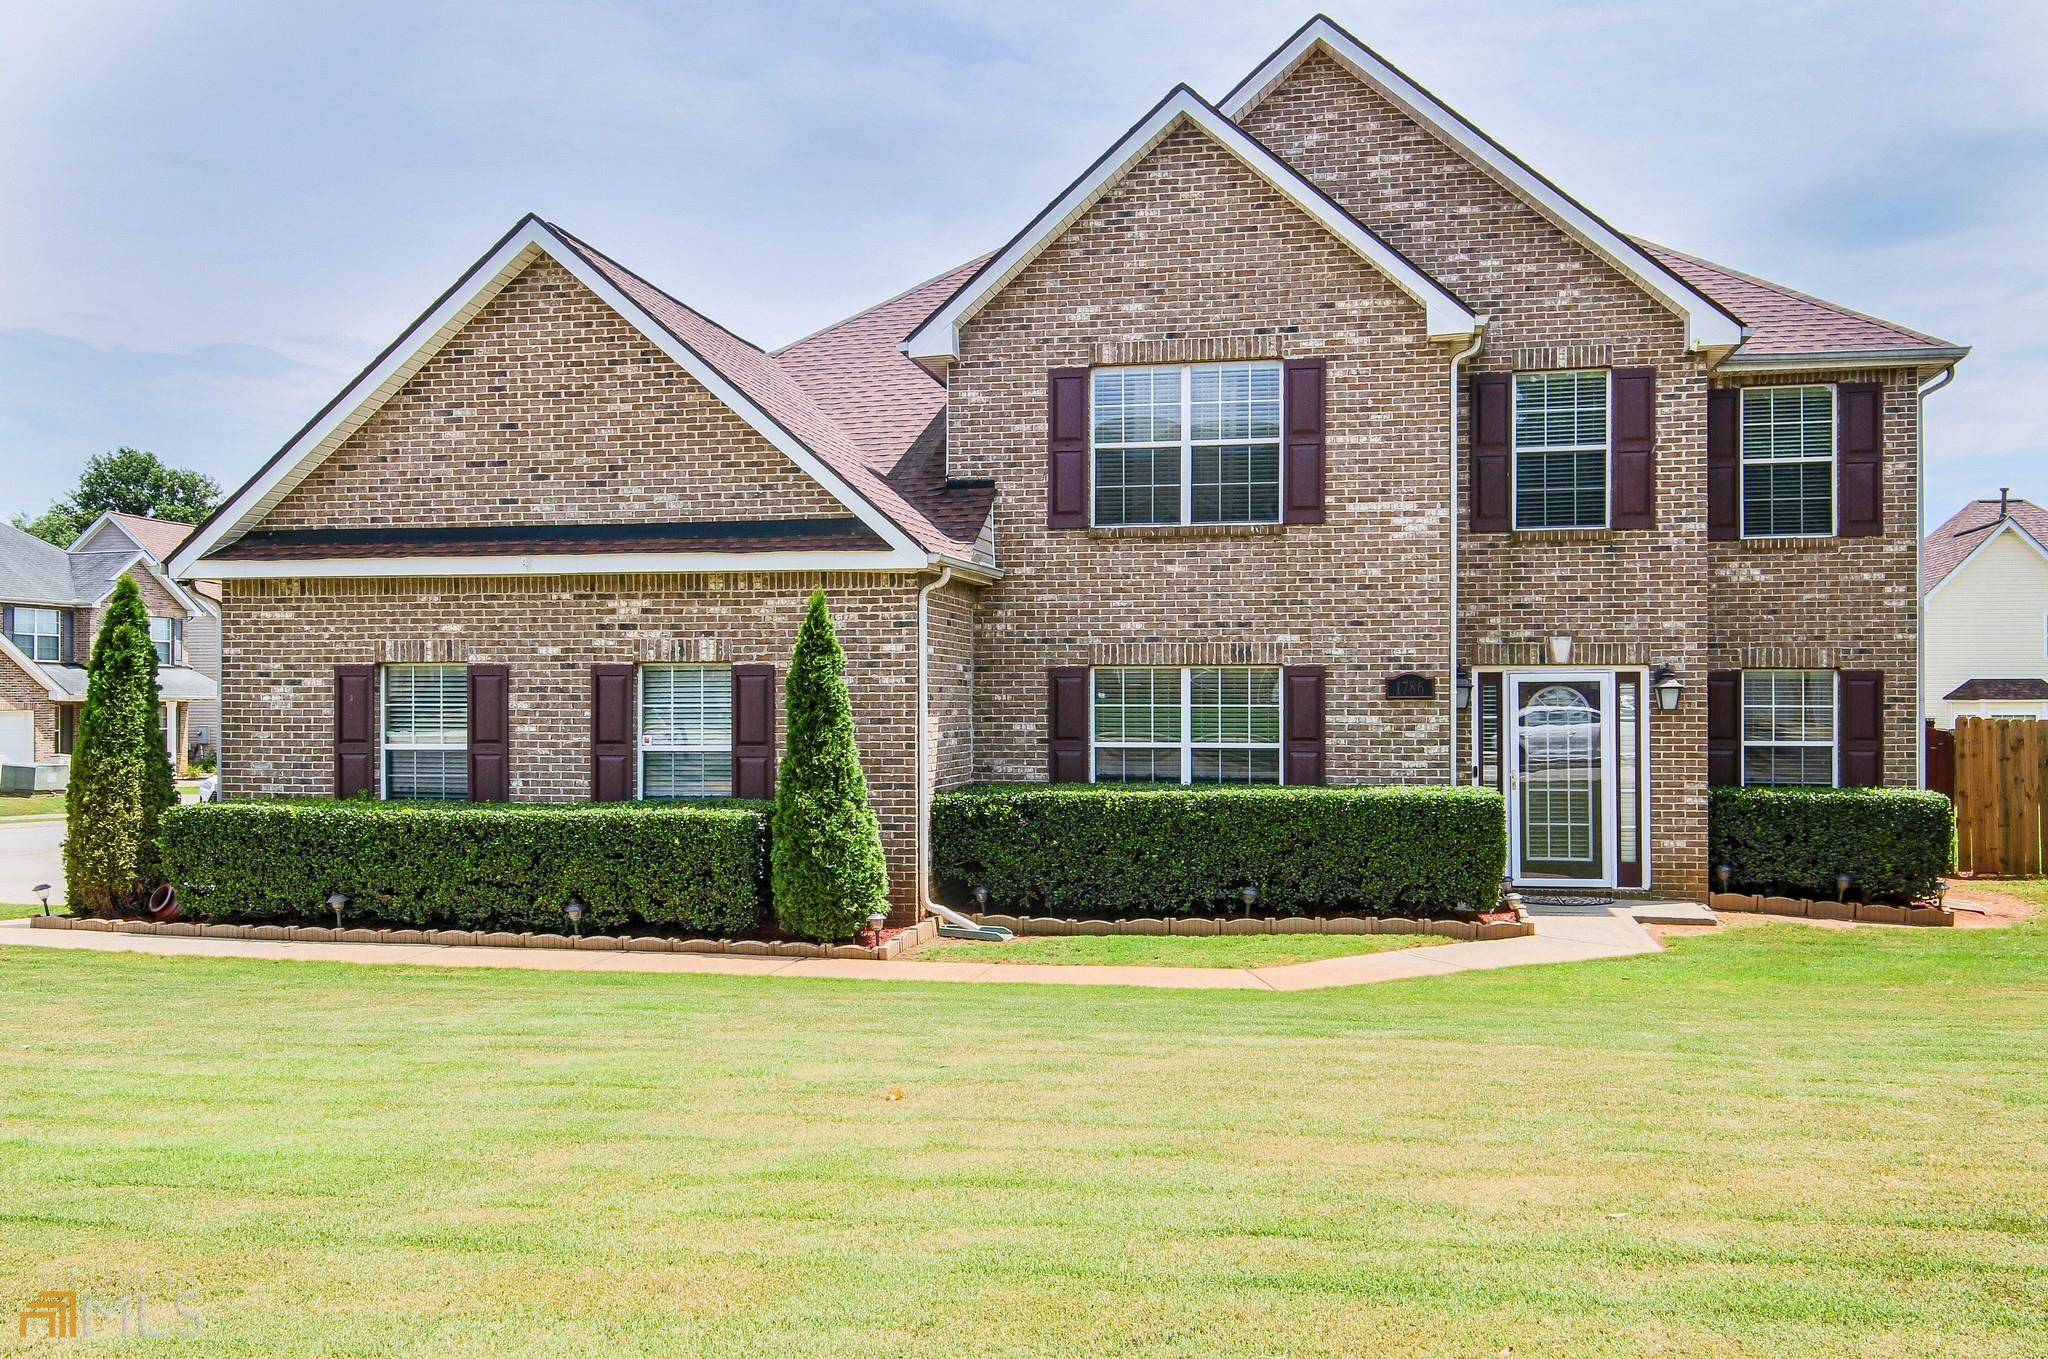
[[1559, 794]]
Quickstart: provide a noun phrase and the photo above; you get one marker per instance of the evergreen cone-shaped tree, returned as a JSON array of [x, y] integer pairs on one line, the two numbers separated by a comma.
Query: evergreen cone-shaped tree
[[826, 860], [120, 772]]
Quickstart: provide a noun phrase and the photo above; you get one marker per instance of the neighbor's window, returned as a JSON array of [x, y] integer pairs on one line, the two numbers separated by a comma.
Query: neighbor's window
[[39, 633], [1788, 462], [1561, 449], [1191, 445], [685, 731], [426, 732], [163, 634], [1788, 727], [1203, 724]]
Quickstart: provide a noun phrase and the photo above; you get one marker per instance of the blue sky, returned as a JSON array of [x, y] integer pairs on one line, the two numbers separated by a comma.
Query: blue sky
[[217, 213]]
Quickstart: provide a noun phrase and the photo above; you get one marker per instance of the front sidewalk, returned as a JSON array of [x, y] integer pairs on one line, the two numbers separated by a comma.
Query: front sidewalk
[[1610, 933]]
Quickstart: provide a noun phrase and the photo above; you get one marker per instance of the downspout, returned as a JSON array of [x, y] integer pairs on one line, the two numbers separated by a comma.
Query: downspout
[[956, 926], [1457, 764], [1934, 385]]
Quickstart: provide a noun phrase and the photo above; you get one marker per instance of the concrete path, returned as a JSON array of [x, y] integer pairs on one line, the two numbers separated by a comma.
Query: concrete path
[[1569, 939], [29, 854]]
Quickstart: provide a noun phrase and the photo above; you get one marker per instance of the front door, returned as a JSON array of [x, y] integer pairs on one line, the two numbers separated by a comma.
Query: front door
[[1561, 778]]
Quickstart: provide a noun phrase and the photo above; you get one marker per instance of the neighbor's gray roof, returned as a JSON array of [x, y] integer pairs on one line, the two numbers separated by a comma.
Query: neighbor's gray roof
[[35, 572], [173, 681]]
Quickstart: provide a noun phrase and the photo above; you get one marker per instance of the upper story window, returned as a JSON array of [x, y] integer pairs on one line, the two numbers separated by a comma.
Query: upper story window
[[39, 633], [1788, 462], [1187, 445], [685, 731], [1561, 449], [1201, 724], [426, 732], [163, 635], [1788, 727]]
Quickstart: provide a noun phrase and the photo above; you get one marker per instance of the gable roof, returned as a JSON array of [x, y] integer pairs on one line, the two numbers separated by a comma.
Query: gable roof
[[1708, 324], [158, 537], [737, 373], [33, 571], [1970, 528], [1786, 325], [937, 338]]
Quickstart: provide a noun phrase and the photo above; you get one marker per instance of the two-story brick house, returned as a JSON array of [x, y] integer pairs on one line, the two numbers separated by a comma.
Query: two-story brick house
[[1307, 438]]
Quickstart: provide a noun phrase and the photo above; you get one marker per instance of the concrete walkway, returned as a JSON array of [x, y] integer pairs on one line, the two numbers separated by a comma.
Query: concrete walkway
[[1610, 933]]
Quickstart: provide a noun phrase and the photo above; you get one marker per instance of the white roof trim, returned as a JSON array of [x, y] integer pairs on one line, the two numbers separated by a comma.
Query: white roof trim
[[147, 563], [342, 417], [1707, 325], [562, 564], [30, 668], [938, 339], [1989, 538], [106, 516]]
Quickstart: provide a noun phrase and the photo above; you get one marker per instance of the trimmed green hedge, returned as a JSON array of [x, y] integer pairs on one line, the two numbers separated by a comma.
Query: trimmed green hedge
[[1894, 843], [1102, 851], [695, 867]]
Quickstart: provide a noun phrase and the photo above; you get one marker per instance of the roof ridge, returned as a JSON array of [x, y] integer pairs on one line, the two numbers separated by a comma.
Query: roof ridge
[[1786, 290], [587, 248]]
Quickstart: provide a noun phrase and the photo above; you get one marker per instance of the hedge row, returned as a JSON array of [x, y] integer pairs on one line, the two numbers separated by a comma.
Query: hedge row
[[1892, 843], [697, 867], [1109, 851]]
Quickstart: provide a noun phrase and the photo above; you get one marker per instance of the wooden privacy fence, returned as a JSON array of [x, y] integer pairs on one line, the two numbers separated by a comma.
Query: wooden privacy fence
[[2001, 773]]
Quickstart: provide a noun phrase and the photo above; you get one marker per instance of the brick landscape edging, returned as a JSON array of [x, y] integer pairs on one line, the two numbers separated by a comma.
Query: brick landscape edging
[[1861, 912], [894, 946], [1238, 924]]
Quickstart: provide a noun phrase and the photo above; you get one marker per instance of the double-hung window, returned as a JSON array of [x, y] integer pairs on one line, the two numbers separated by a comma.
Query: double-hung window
[[39, 633], [1188, 445], [1788, 728], [685, 731], [1200, 724], [426, 732], [1561, 449], [1788, 462], [163, 635]]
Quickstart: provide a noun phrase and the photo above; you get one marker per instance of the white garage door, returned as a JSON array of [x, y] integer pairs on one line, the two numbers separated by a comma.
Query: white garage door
[[17, 738]]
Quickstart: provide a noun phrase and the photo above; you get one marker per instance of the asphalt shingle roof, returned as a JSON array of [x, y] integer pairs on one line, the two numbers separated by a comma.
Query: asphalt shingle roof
[[1943, 550]]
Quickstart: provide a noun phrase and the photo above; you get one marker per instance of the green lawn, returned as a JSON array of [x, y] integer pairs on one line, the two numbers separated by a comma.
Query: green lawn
[[1140, 950], [1781, 1141], [35, 804], [15, 910]]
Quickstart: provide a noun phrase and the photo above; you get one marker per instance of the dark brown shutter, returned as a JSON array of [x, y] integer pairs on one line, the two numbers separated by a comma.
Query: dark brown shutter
[[1859, 738], [1724, 463], [1493, 452], [1724, 728], [355, 732], [1306, 445], [490, 733], [70, 630], [1859, 460], [1066, 448], [1634, 458], [1066, 723], [1302, 709], [753, 731], [611, 733], [7, 623], [177, 641]]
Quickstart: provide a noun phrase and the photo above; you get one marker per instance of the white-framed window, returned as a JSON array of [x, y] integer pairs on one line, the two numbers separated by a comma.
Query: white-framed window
[[1188, 724], [1788, 462], [1788, 728], [685, 731], [1198, 444], [39, 633], [426, 732], [1561, 449], [163, 635]]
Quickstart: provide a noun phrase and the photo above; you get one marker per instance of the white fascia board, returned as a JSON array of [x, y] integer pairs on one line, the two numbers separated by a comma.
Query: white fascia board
[[31, 669], [1871, 358], [472, 293], [1997, 531], [564, 564], [938, 339], [106, 516], [1708, 327]]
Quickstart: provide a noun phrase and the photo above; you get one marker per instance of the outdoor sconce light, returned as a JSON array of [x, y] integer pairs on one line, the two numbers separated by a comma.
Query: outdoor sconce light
[[334, 904], [1250, 897], [1667, 686], [875, 923], [1561, 650], [1723, 872], [42, 889], [1461, 689], [981, 898], [574, 910]]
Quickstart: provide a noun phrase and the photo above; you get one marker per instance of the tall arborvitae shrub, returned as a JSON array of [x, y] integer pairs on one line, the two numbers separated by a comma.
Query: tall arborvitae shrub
[[825, 849], [120, 771]]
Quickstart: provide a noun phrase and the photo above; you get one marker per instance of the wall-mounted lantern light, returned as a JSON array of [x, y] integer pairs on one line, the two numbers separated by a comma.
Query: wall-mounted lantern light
[[1461, 688], [1668, 687]]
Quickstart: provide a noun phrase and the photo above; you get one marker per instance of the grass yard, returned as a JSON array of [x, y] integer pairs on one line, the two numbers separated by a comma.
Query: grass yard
[[15, 910], [1781, 1141], [1142, 950], [34, 804]]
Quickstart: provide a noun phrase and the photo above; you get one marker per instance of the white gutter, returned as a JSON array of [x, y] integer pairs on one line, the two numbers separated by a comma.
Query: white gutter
[[1457, 764], [957, 925], [1934, 385]]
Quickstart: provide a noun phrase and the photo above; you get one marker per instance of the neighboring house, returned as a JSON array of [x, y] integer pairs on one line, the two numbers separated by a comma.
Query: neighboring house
[[1984, 584], [52, 600], [1169, 488]]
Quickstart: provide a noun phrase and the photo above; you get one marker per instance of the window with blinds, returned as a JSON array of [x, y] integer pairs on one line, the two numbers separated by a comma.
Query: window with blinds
[[685, 731], [1788, 462], [1203, 724], [1193, 445], [39, 633], [426, 733], [1561, 450], [1788, 727]]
